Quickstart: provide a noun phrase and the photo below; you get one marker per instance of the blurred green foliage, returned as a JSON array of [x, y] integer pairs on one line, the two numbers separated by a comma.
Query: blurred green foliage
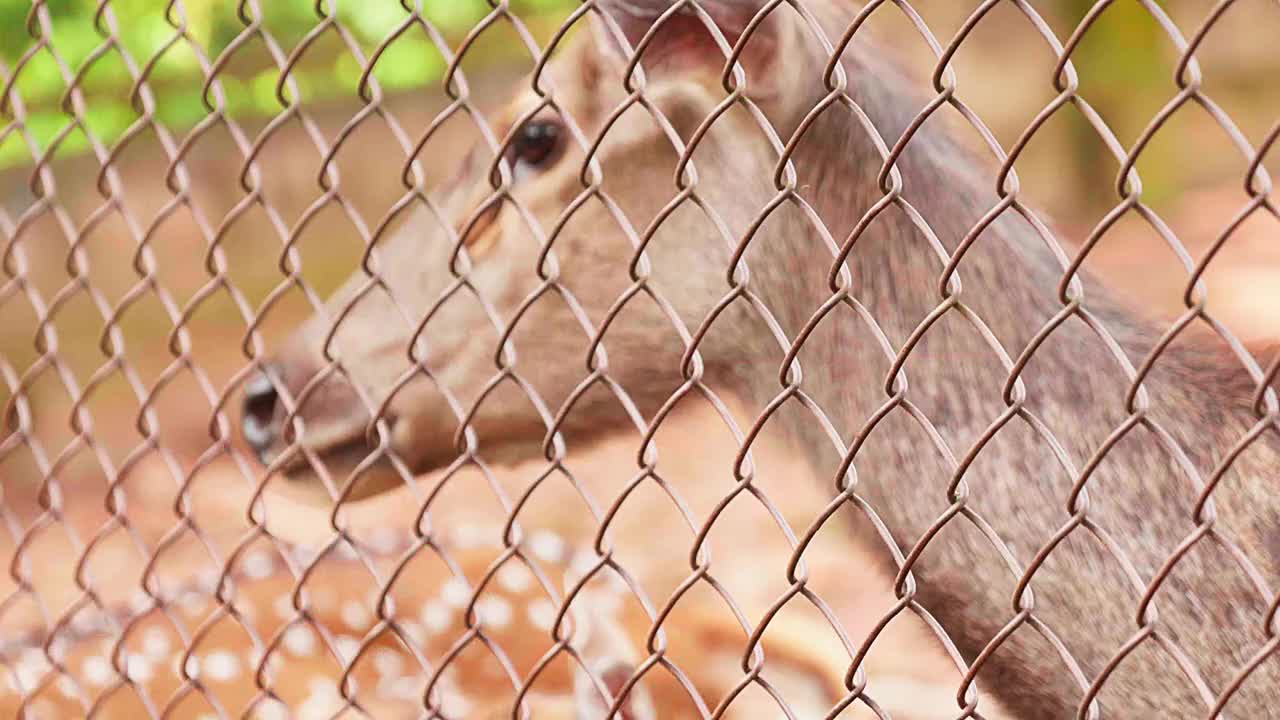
[[1124, 63], [80, 46]]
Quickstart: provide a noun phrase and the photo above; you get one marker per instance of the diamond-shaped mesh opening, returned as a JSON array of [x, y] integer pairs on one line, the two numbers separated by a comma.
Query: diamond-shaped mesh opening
[[646, 359]]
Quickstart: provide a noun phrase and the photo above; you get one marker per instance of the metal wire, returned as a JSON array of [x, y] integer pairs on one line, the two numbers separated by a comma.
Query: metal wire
[[30, 617]]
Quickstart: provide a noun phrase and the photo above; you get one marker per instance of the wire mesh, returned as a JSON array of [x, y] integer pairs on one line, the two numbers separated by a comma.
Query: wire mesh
[[155, 569]]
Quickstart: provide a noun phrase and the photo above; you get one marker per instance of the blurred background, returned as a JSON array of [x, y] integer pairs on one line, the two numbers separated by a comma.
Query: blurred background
[[123, 458]]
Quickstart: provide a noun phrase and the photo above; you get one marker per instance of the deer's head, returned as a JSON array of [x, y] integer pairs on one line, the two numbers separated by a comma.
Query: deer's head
[[497, 292]]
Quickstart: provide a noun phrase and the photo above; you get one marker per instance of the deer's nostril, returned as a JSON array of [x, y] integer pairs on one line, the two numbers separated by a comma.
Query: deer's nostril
[[258, 423]]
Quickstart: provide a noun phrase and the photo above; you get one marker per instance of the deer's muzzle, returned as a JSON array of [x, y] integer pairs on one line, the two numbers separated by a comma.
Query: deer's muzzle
[[308, 425]]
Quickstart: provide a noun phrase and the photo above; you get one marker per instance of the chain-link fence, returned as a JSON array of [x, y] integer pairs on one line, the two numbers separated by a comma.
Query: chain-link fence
[[726, 367]]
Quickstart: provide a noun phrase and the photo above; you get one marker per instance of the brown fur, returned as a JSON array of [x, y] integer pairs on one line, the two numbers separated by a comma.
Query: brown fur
[[1140, 500]]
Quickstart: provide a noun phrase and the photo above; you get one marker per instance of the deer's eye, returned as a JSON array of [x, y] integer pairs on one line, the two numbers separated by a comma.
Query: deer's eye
[[535, 145]]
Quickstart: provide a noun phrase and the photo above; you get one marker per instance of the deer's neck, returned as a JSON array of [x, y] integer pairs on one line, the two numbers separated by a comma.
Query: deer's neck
[[1004, 296], [950, 437]]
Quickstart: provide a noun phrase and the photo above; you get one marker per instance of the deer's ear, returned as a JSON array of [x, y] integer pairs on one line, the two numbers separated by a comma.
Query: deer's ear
[[695, 39]]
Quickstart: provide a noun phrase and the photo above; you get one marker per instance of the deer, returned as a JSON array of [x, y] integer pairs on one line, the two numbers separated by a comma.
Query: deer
[[335, 648], [741, 197]]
